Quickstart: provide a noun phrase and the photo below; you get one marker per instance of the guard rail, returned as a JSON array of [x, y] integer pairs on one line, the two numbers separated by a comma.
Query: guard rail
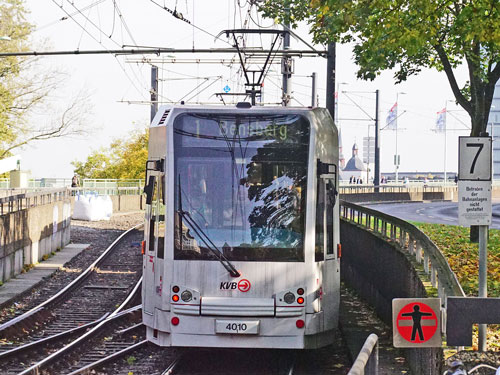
[[18, 202], [366, 362], [410, 239]]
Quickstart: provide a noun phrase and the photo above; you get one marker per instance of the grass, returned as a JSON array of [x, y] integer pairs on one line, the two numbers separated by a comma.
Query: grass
[[463, 256]]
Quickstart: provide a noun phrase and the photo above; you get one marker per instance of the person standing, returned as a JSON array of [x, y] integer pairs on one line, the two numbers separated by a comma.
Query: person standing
[[75, 181]]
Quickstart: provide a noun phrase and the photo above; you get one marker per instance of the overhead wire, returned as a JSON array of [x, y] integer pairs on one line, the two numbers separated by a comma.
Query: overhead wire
[[181, 18], [99, 42]]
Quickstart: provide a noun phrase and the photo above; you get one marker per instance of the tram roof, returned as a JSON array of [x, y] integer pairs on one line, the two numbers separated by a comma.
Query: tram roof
[[163, 111]]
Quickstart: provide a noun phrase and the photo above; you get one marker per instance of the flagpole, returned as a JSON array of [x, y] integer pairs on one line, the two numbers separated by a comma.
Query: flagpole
[[445, 131]]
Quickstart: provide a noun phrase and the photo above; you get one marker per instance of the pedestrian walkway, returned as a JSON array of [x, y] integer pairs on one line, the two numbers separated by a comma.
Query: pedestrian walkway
[[357, 321], [25, 281]]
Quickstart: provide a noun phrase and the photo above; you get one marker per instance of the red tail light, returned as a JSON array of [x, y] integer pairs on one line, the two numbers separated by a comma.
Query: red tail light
[[175, 321], [300, 323], [300, 300], [175, 298]]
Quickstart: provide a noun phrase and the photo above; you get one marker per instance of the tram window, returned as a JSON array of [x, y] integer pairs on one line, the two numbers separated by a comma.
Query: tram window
[[329, 219], [242, 179], [161, 218], [319, 246], [154, 211]]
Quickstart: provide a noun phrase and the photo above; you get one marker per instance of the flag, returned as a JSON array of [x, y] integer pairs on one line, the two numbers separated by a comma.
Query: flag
[[441, 121], [392, 117]]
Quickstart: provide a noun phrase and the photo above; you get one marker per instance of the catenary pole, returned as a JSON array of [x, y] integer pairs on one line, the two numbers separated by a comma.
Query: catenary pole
[[376, 177], [313, 90], [286, 61], [154, 91], [330, 79]]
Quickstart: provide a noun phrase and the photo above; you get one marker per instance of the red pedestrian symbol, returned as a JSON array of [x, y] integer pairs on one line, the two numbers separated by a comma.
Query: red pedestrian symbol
[[416, 322]]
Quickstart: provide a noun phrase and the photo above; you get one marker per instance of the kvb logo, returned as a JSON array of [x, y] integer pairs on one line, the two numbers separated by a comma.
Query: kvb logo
[[243, 285], [226, 285]]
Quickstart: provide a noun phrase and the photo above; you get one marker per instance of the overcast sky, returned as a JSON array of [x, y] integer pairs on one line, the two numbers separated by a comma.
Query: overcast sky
[[120, 85]]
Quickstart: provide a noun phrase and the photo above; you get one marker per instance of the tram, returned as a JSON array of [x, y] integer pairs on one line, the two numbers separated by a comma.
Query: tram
[[241, 244]]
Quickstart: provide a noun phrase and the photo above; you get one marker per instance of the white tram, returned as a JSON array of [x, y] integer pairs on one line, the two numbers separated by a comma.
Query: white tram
[[241, 242]]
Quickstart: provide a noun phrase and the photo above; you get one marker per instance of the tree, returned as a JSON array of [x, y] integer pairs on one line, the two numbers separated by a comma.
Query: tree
[[26, 89], [408, 35], [125, 159]]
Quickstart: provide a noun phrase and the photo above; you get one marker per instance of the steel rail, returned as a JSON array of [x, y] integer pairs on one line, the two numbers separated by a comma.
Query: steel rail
[[86, 369], [68, 288], [170, 369], [49, 339], [116, 314]]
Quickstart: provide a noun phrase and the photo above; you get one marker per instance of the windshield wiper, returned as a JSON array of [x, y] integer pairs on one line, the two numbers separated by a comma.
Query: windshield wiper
[[186, 216], [208, 243]]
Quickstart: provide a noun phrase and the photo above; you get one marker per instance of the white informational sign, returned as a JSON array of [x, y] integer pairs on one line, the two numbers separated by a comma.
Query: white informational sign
[[474, 158], [474, 203]]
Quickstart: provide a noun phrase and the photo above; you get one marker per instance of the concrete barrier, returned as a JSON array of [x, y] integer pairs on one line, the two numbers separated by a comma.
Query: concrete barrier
[[379, 272], [37, 226]]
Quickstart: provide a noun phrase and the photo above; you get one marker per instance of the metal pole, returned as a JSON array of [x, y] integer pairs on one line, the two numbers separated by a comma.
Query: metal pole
[[376, 177], [285, 61], [330, 80], [154, 91], [483, 286], [313, 92]]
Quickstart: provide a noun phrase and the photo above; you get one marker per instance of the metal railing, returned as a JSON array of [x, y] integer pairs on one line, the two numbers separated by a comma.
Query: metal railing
[[18, 202], [360, 189], [84, 183], [366, 362], [410, 239]]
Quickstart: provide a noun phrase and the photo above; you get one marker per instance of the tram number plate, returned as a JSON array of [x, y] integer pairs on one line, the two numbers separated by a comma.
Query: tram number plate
[[240, 327]]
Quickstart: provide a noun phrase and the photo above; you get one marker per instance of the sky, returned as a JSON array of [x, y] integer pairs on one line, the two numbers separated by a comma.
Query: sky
[[119, 86]]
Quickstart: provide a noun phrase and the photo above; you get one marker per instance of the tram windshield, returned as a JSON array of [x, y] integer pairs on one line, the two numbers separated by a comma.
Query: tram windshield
[[242, 179]]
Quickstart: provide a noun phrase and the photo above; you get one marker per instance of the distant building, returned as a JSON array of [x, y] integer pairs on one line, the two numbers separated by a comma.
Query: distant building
[[354, 166]]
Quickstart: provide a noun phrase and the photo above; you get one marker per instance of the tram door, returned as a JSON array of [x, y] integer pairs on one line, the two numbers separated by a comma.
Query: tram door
[[325, 237], [155, 241]]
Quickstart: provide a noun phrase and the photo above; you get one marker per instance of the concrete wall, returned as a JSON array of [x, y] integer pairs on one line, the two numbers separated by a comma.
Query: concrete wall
[[27, 235], [379, 272]]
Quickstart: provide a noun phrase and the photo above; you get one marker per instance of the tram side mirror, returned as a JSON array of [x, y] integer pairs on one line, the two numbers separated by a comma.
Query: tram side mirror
[[149, 189]]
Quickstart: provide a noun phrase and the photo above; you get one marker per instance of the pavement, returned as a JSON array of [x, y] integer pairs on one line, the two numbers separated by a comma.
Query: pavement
[[25, 281], [357, 321]]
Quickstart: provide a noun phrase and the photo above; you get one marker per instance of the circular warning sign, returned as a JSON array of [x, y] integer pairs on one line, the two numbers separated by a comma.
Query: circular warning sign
[[416, 322], [244, 285]]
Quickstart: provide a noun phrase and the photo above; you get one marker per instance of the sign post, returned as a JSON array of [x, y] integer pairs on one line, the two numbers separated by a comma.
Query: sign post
[[416, 322], [474, 202]]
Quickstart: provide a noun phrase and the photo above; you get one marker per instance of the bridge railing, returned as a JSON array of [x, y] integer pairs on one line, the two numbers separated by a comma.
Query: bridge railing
[[410, 239], [360, 189], [18, 202]]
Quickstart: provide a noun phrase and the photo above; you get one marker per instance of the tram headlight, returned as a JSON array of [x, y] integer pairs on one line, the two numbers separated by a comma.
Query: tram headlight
[[186, 296], [289, 297]]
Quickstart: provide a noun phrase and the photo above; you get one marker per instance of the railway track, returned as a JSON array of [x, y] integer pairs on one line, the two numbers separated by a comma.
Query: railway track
[[81, 306]]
